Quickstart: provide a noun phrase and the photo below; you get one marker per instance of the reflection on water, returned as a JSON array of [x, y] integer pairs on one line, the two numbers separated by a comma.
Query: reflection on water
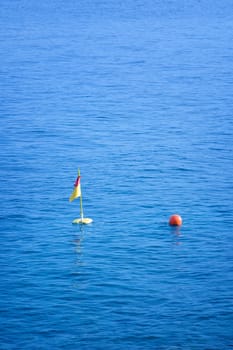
[[78, 283], [176, 235], [78, 243]]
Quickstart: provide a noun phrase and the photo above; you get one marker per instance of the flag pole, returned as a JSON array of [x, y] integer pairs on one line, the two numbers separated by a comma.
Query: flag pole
[[81, 199]]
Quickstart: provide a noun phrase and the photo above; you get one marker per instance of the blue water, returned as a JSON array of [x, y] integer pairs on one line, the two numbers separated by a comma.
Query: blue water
[[138, 95]]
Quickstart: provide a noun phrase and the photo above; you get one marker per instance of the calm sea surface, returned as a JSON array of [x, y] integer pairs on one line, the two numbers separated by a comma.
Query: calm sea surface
[[138, 95]]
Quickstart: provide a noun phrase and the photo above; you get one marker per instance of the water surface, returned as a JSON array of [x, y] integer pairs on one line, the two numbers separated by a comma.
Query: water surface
[[139, 97]]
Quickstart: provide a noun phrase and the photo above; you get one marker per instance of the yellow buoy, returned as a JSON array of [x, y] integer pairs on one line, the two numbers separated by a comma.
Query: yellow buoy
[[82, 221]]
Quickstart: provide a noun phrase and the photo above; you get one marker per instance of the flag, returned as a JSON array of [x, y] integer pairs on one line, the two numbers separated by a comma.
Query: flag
[[77, 189]]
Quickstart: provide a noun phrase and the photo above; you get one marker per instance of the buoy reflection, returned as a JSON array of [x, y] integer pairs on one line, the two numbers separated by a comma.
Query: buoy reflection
[[176, 234]]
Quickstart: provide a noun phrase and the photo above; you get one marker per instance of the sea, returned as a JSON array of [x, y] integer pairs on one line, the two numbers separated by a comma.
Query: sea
[[138, 95]]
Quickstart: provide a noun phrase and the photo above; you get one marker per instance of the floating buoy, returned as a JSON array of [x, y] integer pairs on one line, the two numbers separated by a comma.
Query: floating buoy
[[84, 221], [175, 220], [75, 194]]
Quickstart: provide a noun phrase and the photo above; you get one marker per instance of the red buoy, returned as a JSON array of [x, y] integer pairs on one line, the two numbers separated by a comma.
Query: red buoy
[[175, 220]]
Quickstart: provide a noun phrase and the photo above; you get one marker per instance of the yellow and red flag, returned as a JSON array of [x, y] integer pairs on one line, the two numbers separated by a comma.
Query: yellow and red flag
[[77, 189]]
